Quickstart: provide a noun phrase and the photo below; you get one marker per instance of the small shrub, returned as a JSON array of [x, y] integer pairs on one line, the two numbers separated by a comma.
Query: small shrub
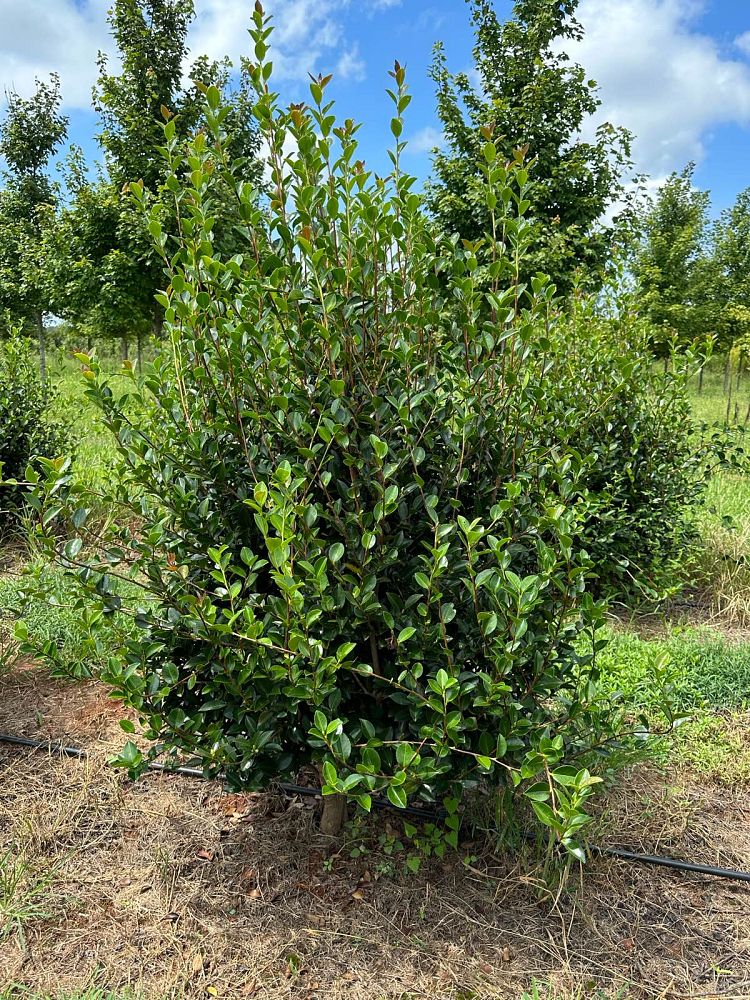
[[26, 426], [355, 532], [645, 471]]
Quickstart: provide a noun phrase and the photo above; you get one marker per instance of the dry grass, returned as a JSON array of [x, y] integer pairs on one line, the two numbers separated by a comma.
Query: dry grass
[[172, 888]]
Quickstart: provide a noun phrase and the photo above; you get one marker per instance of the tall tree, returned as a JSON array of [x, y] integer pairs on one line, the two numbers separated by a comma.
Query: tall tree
[[110, 287], [31, 133], [731, 248], [530, 95], [673, 269]]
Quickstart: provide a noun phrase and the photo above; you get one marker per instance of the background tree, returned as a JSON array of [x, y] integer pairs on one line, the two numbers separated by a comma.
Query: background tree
[[108, 273], [530, 95], [731, 258], [31, 133], [675, 275]]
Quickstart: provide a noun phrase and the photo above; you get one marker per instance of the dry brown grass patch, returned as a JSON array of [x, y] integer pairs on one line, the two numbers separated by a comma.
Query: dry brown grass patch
[[174, 888]]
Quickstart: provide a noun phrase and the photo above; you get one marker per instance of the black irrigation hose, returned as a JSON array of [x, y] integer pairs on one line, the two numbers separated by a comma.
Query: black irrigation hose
[[194, 772], [683, 866], [429, 814]]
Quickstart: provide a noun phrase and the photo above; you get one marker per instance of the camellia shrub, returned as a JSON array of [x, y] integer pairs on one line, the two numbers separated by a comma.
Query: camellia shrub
[[356, 536], [645, 464], [27, 428]]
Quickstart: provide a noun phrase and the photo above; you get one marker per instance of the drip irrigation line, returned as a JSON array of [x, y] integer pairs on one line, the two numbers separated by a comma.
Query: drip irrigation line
[[195, 772], [683, 866], [379, 803]]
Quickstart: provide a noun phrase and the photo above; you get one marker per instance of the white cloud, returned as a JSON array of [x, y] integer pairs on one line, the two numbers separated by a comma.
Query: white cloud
[[42, 36], [351, 66], [425, 140], [743, 43], [661, 78]]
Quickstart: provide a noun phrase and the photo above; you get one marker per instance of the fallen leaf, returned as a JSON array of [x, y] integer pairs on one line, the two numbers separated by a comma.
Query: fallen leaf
[[627, 944], [486, 968], [212, 991], [205, 855], [506, 954], [198, 963], [358, 894]]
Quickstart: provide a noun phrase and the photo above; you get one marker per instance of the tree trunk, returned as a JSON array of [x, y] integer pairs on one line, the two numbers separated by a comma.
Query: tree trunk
[[334, 814], [42, 347], [701, 372], [139, 351], [728, 373], [729, 403], [125, 348]]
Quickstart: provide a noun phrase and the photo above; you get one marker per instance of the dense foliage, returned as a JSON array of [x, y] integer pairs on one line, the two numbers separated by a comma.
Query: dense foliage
[[675, 278], [645, 465], [27, 429], [530, 96], [355, 531], [30, 134]]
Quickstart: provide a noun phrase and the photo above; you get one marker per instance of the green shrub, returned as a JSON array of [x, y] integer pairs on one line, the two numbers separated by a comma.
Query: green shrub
[[26, 427], [355, 535], [645, 471]]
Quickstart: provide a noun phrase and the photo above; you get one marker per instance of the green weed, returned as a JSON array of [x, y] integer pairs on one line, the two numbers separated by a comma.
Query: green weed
[[24, 894]]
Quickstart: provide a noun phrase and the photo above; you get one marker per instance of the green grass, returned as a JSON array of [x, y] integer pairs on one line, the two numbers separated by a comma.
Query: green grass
[[705, 670], [708, 677], [92, 442], [710, 402], [538, 991], [55, 633], [25, 895], [717, 747]]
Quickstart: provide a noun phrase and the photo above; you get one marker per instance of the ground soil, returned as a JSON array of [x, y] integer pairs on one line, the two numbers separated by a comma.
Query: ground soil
[[172, 887]]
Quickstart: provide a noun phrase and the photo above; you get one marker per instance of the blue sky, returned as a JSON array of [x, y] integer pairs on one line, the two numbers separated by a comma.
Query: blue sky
[[676, 72]]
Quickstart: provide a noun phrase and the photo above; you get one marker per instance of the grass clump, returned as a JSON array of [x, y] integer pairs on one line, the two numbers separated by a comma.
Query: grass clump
[[716, 747], [24, 894], [720, 567]]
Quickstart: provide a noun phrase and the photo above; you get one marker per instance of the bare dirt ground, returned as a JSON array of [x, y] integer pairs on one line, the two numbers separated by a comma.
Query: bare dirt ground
[[173, 888]]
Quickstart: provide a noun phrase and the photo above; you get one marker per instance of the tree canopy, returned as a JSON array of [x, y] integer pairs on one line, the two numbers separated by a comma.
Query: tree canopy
[[30, 134], [530, 96], [673, 267]]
